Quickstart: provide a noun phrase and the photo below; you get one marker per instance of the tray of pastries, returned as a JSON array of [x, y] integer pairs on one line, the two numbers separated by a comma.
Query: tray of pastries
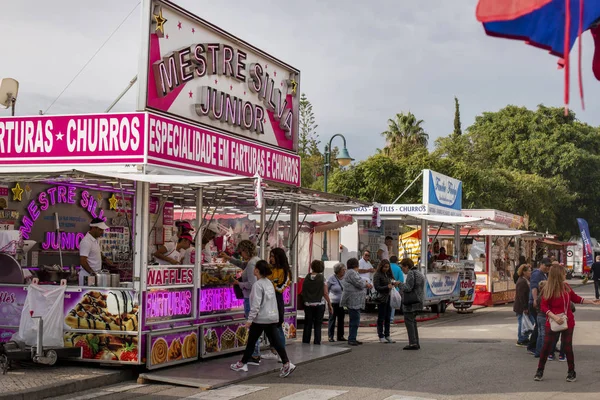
[[218, 274]]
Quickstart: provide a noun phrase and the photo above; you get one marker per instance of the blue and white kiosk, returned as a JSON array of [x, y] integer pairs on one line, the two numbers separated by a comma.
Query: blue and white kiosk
[[447, 281]]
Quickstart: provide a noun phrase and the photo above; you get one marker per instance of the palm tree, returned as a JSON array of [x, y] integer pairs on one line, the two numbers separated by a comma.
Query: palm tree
[[405, 129]]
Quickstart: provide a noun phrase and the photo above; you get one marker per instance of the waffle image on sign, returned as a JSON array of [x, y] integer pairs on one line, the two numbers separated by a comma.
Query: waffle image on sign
[[241, 335], [175, 350], [159, 351], [211, 341], [92, 313], [190, 346], [227, 339]]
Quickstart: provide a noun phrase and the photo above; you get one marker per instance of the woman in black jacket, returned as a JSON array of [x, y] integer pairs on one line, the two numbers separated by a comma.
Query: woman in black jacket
[[521, 304], [382, 282]]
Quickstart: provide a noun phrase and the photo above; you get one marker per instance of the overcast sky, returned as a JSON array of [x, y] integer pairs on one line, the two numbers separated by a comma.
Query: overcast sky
[[361, 62]]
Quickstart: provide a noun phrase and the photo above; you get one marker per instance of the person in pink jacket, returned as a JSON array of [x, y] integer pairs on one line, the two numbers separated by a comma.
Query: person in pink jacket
[[557, 296]]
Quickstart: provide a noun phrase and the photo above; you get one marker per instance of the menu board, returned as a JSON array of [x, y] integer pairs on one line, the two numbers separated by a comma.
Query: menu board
[[172, 347]]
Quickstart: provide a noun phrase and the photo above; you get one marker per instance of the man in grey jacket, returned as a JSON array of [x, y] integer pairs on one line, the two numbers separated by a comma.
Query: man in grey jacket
[[414, 282]]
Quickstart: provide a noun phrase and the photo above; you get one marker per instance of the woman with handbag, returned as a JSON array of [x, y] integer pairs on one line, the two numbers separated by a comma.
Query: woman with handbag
[[556, 298], [281, 278], [263, 317], [247, 250], [521, 302], [382, 282], [413, 297]]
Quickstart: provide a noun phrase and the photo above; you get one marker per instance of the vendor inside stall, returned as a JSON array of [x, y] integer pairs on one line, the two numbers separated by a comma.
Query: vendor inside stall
[[90, 256], [174, 254]]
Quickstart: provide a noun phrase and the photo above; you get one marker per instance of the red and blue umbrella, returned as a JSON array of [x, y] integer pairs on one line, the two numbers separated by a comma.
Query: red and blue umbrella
[[553, 25]]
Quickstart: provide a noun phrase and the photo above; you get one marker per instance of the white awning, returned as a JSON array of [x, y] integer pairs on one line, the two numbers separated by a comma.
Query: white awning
[[446, 219], [167, 179], [502, 232]]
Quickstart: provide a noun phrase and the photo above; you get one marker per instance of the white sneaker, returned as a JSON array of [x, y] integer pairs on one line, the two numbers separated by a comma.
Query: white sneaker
[[239, 366], [269, 355], [389, 339], [382, 340], [287, 369]]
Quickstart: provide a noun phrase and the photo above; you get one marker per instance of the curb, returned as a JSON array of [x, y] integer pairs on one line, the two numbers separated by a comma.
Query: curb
[[60, 389]]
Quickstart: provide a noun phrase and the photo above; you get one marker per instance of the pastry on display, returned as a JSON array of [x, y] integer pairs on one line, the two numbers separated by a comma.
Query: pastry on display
[[292, 331], [175, 350], [241, 335], [211, 341], [227, 339], [159, 351], [286, 329], [190, 346], [92, 313]]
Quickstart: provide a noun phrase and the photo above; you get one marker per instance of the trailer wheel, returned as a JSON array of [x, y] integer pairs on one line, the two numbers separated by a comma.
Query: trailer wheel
[[442, 307], [52, 357]]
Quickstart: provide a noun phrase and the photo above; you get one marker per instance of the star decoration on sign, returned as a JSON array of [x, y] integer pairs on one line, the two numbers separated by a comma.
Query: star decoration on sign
[[191, 94], [159, 21], [113, 201], [293, 83], [179, 25], [17, 192], [59, 136]]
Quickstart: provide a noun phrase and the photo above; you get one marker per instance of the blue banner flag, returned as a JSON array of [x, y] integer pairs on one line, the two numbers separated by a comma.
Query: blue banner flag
[[586, 239]]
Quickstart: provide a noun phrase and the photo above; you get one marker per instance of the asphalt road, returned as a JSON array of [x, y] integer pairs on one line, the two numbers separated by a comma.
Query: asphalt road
[[469, 356]]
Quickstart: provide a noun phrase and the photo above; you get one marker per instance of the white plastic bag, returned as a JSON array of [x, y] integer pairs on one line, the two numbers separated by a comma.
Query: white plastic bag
[[395, 299], [46, 302], [526, 325]]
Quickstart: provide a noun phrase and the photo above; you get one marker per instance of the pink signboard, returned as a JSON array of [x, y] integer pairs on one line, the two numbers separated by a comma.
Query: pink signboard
[[219, 300], [168, 304], [73, 139], [201, 73], [12, 299], [180, 145]]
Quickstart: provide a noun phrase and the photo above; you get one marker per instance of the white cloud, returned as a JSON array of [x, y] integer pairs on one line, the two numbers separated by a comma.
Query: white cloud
[[361, 62]]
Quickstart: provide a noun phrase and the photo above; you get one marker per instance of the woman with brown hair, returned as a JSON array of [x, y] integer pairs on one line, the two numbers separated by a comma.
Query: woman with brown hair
[[382, 282], [557, 296], [522, 302]]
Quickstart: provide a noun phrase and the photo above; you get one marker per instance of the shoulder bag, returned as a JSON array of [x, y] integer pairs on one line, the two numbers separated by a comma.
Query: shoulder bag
[[554, 326], [411, 297]]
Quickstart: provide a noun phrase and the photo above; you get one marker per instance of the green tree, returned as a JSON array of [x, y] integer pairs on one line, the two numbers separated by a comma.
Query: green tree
[[457, 125], [538, 162], [404, 130], [308, 140], [312, 159]]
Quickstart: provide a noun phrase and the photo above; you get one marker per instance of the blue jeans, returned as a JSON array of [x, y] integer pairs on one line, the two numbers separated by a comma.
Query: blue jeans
[[520, 337], [256, 352], [353, 325], [541, 321]]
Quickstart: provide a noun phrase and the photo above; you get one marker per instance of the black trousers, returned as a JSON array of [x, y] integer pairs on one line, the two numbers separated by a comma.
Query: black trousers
[[410, 321], [337, 315], [383, 319], [271, 331], [313, 317], [596, 284]]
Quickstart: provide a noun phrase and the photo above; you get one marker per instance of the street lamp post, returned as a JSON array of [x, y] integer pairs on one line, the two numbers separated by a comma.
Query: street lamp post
[[343, 159]]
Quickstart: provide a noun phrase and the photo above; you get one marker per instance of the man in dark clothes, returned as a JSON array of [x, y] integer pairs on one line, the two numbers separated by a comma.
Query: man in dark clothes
[[596, 272]]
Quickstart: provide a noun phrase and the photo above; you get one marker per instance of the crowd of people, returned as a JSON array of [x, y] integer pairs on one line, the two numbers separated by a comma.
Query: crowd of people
[[263, 283], [545, 305]]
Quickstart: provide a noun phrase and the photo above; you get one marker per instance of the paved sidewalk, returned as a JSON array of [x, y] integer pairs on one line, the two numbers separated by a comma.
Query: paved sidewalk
[[30, 381]]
